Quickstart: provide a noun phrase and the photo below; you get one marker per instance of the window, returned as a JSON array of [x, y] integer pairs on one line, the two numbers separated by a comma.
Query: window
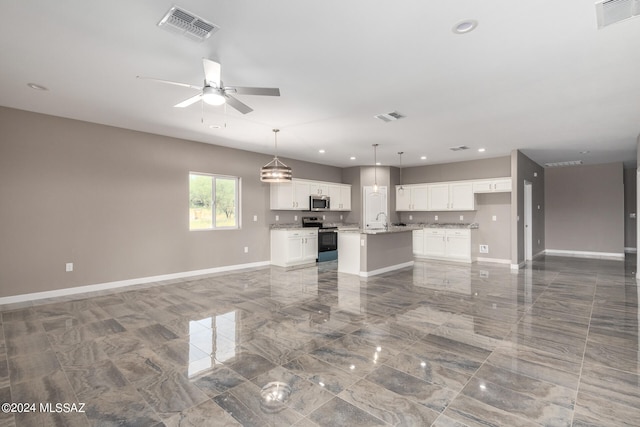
[[213, 202]]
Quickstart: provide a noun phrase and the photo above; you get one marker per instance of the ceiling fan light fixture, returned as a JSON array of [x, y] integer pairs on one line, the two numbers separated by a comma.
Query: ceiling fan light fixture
[[275, 170], [213, 96]]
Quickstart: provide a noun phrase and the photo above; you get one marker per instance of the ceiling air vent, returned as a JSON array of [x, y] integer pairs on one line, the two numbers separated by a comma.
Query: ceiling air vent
[[459, 148], [389, 117], [563, 164], [186, 23], [612, 11]]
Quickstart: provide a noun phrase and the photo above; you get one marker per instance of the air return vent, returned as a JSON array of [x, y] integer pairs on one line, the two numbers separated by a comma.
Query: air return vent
[[389, 117], [563, 164], [612, 11], [186, 23], [459, 148]]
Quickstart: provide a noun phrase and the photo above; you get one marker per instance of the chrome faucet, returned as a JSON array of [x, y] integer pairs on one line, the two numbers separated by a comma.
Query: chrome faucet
[[386, 220]]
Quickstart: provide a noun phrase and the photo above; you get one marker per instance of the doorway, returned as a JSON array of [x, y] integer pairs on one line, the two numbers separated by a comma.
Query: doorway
[[374, 205], [528, 228]]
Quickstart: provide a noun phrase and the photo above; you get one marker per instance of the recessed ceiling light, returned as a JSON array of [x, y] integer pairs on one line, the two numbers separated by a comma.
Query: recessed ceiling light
[[465, 26], [321, 151], [423, 158], [352, 158], [481, 150], [585, 152], [214, 126], [36, 86]]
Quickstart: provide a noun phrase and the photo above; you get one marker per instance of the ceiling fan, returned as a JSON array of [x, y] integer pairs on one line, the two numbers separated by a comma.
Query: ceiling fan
[[214, 93]]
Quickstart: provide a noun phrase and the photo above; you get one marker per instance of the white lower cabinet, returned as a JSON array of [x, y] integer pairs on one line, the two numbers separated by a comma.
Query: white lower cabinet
[[294, 247], [443, 243]]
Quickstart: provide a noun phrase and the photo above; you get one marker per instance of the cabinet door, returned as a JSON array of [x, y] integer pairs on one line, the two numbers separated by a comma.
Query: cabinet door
[[434, 242], [502, 185], [345, 196], [461, 198], [301, 195], [335, 196], [483, 186], [419, 197], [310, 247], [458, 244], [418, 242], [438, 197], [294, 248], [403, 198]]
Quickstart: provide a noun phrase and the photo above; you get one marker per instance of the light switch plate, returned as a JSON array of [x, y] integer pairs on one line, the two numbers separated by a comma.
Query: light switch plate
[[494, 218], [68, 267]]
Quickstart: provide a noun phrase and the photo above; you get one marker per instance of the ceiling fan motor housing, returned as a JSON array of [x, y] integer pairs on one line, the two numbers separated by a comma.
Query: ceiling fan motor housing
[[213, 95]]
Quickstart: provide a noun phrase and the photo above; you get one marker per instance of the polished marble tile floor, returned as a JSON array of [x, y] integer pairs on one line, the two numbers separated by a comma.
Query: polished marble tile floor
[[555, 344]]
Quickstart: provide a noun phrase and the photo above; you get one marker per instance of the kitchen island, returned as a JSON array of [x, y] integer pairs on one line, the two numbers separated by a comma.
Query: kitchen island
[[370, 252]]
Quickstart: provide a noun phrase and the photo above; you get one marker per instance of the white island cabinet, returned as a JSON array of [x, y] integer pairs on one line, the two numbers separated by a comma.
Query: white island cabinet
[[291, 247], [443, 243]]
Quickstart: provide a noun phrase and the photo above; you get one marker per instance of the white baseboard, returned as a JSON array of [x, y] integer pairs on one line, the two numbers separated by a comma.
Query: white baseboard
[[630, 250], [386, 269], [518, 266], [494, 260], [124, 283], [585, 254]]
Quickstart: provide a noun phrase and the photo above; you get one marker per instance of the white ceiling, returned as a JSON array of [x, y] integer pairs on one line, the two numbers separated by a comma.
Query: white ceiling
[[538, 76]]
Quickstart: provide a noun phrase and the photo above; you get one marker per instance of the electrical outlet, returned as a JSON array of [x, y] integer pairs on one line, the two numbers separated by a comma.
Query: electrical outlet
[[255, 218], [410, 217], [494, 218], [277, 217], [324, 217], [484, 249], [435, 218], [295, 217], [246, 249], [340, 217], [68, 267], [461, 217]]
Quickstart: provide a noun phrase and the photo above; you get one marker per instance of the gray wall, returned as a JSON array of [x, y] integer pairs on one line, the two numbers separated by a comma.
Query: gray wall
[[585, 208], [496, 234], [114, 202], [524, 169], [630, 202]]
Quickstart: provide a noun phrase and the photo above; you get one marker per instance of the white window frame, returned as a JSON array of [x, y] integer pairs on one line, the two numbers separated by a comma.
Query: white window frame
[[238, 199]]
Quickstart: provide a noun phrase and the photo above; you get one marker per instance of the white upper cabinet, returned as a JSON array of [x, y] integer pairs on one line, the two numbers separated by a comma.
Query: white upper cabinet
[[340, 197], [453, 196], [495, 185], [294, 195], [411, 197]]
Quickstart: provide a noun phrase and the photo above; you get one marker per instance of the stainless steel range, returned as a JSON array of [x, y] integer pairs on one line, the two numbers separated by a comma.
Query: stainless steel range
[[327, 238]]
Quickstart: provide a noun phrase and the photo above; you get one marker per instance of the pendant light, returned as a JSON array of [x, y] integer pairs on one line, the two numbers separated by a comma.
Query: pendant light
[[275, 170], [400, 153], [375, 168]]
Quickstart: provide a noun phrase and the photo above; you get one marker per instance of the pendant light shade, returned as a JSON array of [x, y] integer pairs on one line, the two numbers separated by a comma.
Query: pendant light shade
[[275, 170]]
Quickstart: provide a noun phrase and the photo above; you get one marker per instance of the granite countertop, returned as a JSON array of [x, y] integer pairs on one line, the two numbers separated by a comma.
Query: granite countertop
[[450, 225]]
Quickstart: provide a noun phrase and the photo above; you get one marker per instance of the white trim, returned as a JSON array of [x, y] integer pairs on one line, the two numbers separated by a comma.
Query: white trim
[[630, 250], [386, 269], [585, 254], [494, 260], [518, 266], [123, 283]]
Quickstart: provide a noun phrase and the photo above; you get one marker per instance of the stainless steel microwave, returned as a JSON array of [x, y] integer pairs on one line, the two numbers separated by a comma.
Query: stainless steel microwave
[[319, 203]]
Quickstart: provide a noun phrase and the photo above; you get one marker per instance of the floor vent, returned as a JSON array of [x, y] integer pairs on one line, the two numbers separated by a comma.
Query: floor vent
[[389, 117], [613, 11], [459, 148], [186, 23], [563, 164]]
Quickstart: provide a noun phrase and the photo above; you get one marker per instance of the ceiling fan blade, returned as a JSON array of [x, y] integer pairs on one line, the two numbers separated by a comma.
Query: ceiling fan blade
[[264, 91], [189, 101], [211, 72], [170, 82], [243, 108]]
